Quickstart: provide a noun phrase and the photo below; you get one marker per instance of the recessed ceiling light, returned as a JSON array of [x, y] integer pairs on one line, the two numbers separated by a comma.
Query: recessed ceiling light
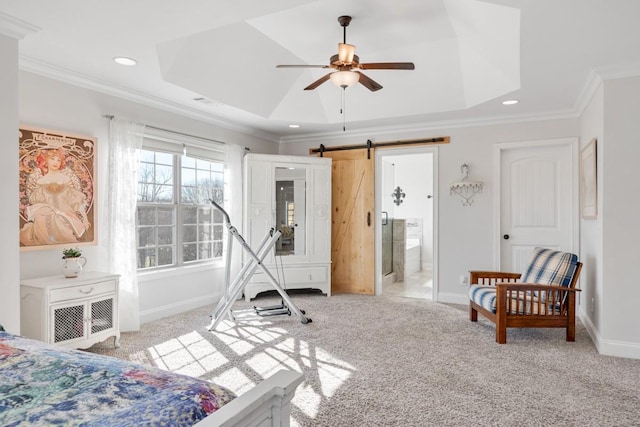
[[122, 60], [510, 102], [294, 126]]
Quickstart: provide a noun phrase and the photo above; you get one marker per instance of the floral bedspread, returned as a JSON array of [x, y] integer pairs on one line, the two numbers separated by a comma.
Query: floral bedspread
[[47, 385]]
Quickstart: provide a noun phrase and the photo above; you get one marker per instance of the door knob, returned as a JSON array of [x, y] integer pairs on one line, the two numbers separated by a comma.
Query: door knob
[[505, 237]]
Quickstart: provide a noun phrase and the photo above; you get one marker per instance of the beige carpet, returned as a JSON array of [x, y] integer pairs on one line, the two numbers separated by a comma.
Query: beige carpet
[[391, 361]]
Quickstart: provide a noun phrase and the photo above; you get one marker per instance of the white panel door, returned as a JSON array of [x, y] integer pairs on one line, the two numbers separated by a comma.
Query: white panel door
[[537, 202], [259, 203], [300, 215], [320, 214]]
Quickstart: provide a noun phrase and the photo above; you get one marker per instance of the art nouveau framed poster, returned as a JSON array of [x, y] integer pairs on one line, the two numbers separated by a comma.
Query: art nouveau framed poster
[[57, 185]]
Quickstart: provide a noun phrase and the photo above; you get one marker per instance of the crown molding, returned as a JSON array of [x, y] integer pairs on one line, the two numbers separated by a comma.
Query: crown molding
[[619, 71], [81, 80], [598, 76], [593, 82], [394, 130], [16, 28]]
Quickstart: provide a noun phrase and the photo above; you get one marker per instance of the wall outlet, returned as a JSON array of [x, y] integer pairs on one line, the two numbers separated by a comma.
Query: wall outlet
[[463, 280]]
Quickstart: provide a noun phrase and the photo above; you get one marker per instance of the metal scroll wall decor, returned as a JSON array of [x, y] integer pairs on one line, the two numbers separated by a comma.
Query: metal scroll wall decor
[[398, 195], [465, 188]]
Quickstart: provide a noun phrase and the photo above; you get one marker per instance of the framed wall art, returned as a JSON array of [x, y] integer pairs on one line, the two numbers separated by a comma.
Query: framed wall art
[[589, 181], [57, 173]]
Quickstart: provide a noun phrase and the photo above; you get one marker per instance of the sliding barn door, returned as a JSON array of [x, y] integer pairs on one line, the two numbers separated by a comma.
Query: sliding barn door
[[352, 218]]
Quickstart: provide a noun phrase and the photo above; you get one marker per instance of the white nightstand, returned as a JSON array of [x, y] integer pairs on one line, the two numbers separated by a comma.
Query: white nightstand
[[72, 312]]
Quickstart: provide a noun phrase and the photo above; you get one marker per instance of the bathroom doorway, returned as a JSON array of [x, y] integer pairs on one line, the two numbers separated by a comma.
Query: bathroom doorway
[[406, 235]]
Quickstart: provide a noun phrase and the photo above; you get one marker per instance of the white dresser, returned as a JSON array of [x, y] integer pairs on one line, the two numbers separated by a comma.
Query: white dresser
[[72, 312]]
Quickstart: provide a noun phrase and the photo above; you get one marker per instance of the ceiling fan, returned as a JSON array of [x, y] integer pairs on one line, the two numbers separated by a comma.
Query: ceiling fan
[[346, 65]]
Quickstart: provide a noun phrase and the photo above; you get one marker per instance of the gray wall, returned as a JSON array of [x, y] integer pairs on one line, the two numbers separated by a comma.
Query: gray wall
[[609, 243], [9, 289]]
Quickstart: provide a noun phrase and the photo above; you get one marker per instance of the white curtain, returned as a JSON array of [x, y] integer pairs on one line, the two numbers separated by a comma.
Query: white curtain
[[125, 138], [233, 199]]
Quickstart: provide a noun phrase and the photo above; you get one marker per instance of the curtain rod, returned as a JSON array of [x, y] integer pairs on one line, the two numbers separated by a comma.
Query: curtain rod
[[111, 117]]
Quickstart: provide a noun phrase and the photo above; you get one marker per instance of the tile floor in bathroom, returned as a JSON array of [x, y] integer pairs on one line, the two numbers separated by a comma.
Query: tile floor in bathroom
[[418, 285]]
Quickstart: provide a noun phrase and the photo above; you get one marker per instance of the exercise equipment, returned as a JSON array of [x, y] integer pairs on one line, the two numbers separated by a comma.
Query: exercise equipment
[[233, 290]]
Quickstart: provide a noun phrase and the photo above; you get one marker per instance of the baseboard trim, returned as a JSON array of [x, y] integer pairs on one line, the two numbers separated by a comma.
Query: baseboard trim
[[624, 349], [449, 298], [178, 307], [629, 350]]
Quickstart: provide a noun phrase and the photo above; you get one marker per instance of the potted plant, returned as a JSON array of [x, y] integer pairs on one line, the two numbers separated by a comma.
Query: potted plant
[[71, 253], [73, 262]]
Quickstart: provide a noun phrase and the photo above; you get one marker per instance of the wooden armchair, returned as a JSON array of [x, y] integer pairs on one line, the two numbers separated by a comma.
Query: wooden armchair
[[543, 297]]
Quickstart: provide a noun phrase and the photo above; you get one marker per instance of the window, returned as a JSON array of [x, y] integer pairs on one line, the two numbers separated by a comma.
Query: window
[[290, 212], [176, 223]]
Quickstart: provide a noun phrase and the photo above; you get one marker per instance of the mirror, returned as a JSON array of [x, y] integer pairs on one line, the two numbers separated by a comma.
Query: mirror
[[290, 210]]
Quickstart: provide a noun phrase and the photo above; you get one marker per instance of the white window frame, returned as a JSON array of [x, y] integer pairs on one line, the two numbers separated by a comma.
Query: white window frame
[[178, 144]]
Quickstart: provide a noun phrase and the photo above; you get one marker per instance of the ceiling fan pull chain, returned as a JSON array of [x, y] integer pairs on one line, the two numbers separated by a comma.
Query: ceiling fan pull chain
[[343, 108]]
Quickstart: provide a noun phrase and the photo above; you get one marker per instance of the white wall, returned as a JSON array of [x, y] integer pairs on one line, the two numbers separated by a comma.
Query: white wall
[[51, 104], [620, 207], [591, 278], [465, 234], [9, 288], [609, 244], [388, 186]]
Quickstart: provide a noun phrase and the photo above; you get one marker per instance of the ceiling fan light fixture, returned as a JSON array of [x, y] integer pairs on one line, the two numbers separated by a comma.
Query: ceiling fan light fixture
[[344, 79], [346, 52]]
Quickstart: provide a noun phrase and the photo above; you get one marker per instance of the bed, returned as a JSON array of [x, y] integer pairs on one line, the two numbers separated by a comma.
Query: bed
[[41, 384]]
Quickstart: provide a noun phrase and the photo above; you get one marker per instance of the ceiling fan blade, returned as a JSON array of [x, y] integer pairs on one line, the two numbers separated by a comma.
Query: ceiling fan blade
[[318, 82], [388, 66], [368, 83], [302, 66]]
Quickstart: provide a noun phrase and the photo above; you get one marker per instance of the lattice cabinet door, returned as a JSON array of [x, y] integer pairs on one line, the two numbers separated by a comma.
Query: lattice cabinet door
[[69, 322], [102, 315]]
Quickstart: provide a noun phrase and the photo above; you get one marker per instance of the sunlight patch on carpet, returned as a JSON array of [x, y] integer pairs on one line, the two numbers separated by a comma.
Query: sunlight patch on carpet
[[234, 379], [307, 400], [237, 353], [190, 354], [332, 372], [236, 342]]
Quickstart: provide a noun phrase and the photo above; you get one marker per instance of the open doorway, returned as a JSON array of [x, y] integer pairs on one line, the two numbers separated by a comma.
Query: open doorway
[[406, 206]]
